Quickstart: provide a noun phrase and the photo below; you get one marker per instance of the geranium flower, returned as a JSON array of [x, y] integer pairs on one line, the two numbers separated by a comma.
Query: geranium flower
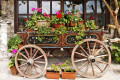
[[45, 14], [39, 10], [48, 15], [26, 19], [14, 51], [68, 12], [30, 14], [60, 63], [59, 11], [91, 18], [59, 15], [55, 64], [33, 9]]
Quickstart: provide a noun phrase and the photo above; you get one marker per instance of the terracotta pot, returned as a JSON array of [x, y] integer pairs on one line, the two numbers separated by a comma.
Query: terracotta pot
[[52, 75], [29, 30], [21, 45], [68, 75], [14, 71], [81, 22], [58, 25], [52, 29], [72, 24]]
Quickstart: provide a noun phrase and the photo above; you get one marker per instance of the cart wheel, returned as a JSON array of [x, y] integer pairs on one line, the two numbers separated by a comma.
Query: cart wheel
[[91, 59], [31, 61]]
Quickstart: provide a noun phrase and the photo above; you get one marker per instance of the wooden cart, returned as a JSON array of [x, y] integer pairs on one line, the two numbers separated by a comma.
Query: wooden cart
[[91, 59]]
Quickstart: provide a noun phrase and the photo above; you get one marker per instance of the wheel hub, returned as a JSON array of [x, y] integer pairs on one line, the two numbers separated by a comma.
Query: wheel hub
[[91, 58], [30, 61]]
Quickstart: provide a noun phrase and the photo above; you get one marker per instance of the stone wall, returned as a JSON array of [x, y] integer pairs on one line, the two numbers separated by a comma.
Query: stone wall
[[8, 11]]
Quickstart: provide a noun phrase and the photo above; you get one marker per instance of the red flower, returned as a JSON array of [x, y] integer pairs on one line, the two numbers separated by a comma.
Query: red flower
[[26, 19], [59, 11], [49, 15], [59, 15], [91, 18]]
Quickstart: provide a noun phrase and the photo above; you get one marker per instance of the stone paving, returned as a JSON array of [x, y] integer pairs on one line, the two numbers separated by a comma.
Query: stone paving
[[112, 74]]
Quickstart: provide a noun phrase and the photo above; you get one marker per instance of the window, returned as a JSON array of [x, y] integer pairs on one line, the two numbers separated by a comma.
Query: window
[[88, 8]]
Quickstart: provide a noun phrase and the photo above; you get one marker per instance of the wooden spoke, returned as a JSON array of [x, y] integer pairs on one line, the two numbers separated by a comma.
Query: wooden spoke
[[31, 70], [26, 69], [81, 60], [88, 47], [35, 70], [22, 60], [26, 52], [35, 53], [22, 65], [38, 57], [92, 69], [80, 54], [94, 48], [31, 52], [83, 64], [99, 67], [38, 66], [102, 55], [23, 55], [40, 62], [98, 51], [87, 68], [102, 62], [84, 50]]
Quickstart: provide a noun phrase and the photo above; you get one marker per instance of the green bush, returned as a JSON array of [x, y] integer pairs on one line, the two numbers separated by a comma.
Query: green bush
[[116, 52]]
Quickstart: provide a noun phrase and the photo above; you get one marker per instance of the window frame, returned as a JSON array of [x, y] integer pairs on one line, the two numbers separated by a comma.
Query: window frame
[[39, 4]]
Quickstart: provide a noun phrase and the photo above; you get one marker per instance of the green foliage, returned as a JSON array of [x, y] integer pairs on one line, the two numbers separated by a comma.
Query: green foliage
[[74, 11], [79, 29], [12, 62], [55, 67], [13, 42], [91, 24], [34, 18], [60, 31], [43, 30], [65, 66], [116, 52], [69, 18], [57, 20]]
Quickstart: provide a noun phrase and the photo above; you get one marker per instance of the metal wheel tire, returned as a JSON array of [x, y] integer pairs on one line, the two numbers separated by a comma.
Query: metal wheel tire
[[31, 61], [94, 58]]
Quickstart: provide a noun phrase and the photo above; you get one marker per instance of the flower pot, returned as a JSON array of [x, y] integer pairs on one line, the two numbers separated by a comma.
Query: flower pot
[[72, 24], [68, 75], [52, 74], [21, 45], [42, 23], [81, 22], [14, 71], [29, 30], [58, 25]]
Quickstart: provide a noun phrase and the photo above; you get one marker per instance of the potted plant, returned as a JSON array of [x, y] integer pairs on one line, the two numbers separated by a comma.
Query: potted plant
[[91, 24], [58, 20], [12, 66], [67, 72], [37, 19], [54, 72]]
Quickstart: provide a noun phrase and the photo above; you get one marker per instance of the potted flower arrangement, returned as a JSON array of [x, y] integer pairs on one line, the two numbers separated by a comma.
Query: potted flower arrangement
[[67, 72], [13, 44], [54, 72], [37, 19], [58, 20], [91, 24]]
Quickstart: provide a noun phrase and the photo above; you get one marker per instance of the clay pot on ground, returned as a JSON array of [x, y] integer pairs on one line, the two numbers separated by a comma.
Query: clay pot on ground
[[14, 71], [58, 25], [29, 30], [68, 75], [52, 74], [81, 22], [72, 24]]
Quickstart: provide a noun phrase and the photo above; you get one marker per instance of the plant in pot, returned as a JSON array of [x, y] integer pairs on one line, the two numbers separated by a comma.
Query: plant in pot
[[58, 20], [37, 19], [67, 72], [91, 25], [54, 72]]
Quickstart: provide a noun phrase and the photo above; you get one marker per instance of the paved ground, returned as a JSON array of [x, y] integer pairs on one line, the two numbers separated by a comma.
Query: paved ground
[[112, 74]]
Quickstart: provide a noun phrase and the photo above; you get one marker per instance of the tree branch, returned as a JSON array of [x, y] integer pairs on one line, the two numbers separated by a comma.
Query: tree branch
[[116, 3]]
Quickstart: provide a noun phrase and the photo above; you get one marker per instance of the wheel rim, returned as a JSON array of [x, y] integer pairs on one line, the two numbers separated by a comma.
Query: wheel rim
[[33, 61], [91, 62]]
